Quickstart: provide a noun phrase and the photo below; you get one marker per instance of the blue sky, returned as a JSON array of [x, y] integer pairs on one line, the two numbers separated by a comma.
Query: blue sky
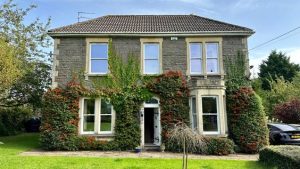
[[269, 18]]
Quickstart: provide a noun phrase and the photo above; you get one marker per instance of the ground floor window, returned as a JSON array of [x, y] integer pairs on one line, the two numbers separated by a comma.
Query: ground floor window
[[194, 117], [96, 116], [210, 115]]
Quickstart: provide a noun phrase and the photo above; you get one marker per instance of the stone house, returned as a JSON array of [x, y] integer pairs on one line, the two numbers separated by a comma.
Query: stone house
[[194, 45]]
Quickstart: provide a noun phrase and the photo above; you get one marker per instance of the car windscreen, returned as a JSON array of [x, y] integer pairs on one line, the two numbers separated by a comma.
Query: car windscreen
[[284, 127]]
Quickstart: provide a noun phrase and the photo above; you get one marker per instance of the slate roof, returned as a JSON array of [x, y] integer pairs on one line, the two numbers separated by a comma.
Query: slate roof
[[143, 24]]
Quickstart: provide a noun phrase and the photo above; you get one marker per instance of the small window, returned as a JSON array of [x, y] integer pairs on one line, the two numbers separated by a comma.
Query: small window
[[212, 57], [89, 115], [196, 58], [106, 116], [210, 114], [151, 58], [194, 113], [99, 58]]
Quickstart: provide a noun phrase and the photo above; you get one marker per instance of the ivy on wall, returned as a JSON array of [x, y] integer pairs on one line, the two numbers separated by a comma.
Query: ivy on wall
[[171, 87]]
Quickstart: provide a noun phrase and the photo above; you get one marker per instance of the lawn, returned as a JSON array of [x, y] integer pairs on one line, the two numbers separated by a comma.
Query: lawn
[[12, 146]]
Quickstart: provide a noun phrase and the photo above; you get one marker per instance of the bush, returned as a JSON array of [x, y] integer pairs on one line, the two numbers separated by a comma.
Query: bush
[[283, 157], [210, 146], [12, 120], [219, 146], [246, 120], [288, 112]]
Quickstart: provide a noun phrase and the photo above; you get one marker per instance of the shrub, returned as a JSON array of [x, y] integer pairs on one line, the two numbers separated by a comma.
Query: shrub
[[210, 146], [283, 157], [246, 120], [219, 146], [12, 120], [288, 112]]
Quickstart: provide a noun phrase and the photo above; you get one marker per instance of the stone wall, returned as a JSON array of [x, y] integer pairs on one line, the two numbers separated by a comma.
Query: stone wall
[[70, 54]]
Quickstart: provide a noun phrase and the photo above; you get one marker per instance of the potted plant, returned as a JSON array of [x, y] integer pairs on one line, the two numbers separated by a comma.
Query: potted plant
[[138, 149]]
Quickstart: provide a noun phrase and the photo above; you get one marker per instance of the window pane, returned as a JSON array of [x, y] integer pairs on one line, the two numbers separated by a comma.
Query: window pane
[[88, 123], [152, 101], [196, 66], [210, 123], [151, 51], [99, 66], [89, 106], [194, 105], [212, 65], [99, 50], [105, 107], [209, 104], [151, 66], [195, 121], [194, 113], [196, 50], [211, 50], [105, 123]]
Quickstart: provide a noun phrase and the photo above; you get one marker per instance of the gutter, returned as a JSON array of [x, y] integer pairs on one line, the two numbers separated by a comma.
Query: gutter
[[147, 34]]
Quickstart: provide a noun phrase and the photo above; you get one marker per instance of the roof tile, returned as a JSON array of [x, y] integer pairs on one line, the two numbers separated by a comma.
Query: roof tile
[[150, 24]]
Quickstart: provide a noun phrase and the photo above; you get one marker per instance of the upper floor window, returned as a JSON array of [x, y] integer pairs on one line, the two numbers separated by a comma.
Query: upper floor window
[[96, 117], [98, 58], [203, 62], [196, 58], [151, 58], [212, 54]]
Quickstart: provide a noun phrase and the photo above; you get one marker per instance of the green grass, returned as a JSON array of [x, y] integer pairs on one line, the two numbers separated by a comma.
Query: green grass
[[14, 145]]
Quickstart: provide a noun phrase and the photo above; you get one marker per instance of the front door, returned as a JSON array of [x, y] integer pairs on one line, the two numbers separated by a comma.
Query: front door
[[156, 124], [151, 126]]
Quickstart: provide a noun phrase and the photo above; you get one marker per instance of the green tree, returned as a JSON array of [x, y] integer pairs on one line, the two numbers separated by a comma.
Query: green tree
[[10, 66], [277, 64], [30, 88], [25, 44], [29, 39]]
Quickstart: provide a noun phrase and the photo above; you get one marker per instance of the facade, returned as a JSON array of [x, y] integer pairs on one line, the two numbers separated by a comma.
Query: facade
[[196, 46]]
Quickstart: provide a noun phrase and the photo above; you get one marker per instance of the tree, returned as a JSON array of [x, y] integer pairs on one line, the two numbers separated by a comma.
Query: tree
[[190, 140], [30, 88], [29, 39], [22, 51], [10, 66], [277, 64]]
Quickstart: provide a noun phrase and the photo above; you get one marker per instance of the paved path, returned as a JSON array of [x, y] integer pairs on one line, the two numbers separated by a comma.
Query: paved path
[[126, 154]]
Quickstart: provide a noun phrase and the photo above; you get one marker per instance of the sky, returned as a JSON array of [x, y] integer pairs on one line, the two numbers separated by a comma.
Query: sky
[[268, 18]]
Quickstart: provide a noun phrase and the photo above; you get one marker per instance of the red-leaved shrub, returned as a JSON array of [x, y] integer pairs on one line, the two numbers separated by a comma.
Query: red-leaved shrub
[[288, 112]]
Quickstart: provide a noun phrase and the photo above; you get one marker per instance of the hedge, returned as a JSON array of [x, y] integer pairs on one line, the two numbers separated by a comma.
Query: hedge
[[246, 120], [283, 157], [12, 120], [219, 146]]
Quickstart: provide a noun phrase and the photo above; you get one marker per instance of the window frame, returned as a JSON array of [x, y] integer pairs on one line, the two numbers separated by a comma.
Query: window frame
[[149, 41], [208, 114], [192, 114], [97, 121], [218, 57], [90, 58], [204, 41], [144, 58], [201, 58]]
